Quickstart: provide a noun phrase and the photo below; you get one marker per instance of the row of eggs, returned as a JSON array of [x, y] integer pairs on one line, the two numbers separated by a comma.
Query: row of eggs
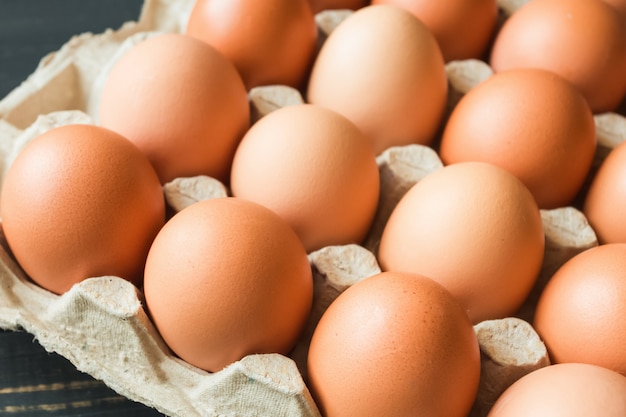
[[181, 101]]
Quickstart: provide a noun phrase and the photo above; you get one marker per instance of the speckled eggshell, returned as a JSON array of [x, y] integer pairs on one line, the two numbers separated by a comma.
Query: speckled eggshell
[[564, 390], [463, 28], [581, 313], [605, 201], [475, 229], [181, 102], [314, 168], [81, 201], [269, 41], [394, 345], [226, 278], [583, 41], [531, 122], [383, 69]]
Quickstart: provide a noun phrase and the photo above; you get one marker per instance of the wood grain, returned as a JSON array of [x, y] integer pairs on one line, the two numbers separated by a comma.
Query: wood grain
[[34, 382]]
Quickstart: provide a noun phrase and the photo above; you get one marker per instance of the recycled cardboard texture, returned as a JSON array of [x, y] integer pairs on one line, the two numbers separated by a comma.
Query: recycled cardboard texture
[[101, 326]]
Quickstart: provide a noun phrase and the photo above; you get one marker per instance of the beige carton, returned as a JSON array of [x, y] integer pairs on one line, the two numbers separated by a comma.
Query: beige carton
[[100, 325]]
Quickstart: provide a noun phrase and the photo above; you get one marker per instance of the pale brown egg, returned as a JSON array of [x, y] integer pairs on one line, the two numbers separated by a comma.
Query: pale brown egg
[[581, 313], [394, 345], [605, 201], [320, 5], [181, 102], [314, 168], [269, 41], [531, 122], [226, 278], [383, 70], [564, 390], [81, 201], [463, 28], [475, 229], [583, 41]]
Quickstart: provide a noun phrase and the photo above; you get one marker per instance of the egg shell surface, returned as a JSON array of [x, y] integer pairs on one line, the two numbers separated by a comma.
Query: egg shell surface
[[226, 278], [463, 28], [394, 344], [269, 41], [383, 69], [583, 41], [605, 200], [620, 5], [530, 122], [181, 102], [81, 201], [581, 313], [475, 229], [313, 167], [564, 390]]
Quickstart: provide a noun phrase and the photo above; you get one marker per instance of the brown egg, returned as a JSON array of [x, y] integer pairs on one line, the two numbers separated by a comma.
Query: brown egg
[[583, 41], [81, 201], [531, 122], [620, 5], [394, 345], [226, 278], [181, 102], [565, 390], [474, 228], [605, 201], [320, 5], [463, 28], [315, 169], [269, 41], [383, 70], [581, 313]]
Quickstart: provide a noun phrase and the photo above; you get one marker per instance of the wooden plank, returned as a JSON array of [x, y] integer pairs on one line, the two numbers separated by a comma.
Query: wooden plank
[[35, 383]]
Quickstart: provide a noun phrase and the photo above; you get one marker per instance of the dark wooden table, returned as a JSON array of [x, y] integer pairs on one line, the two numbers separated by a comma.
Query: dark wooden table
[[34, 382]]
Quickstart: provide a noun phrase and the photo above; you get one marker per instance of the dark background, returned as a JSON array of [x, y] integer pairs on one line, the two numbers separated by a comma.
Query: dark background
[[30, 29], [32, 381]]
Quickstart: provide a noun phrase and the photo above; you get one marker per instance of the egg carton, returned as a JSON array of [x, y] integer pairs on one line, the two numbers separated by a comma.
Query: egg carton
[[101, 326]]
